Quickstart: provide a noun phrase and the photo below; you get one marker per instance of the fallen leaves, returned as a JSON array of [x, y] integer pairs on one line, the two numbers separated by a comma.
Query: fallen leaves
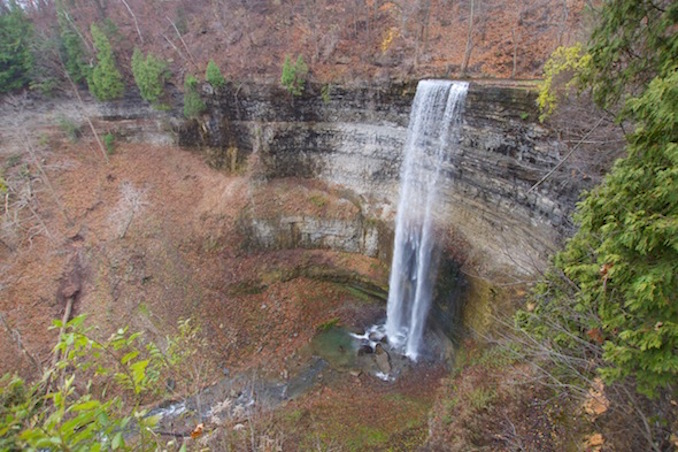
[[594, 442], [197, 431], [596, 402]]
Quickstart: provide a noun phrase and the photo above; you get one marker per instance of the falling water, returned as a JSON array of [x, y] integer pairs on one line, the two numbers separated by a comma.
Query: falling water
[[434, 124]]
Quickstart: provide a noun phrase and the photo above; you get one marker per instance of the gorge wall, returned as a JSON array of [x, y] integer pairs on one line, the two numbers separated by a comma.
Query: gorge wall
[[353, 138]]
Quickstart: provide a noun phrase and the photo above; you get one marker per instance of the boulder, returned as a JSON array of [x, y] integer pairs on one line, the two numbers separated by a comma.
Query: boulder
[[383, 359]]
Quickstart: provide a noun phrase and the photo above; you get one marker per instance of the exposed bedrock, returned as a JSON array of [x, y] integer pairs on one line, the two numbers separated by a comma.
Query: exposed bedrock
[[354, 139]]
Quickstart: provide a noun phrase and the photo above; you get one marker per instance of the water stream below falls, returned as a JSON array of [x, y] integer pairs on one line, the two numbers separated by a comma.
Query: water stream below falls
[[432, 138]]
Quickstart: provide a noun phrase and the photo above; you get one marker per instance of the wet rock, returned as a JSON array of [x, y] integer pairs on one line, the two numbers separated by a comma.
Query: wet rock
[[365, 349], [383, 359]]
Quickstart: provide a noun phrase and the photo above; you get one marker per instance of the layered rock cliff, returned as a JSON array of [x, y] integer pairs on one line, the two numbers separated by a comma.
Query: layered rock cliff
[[353, 138]]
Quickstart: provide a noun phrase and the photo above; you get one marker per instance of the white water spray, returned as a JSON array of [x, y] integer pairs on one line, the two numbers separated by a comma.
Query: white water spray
[[434, 123]]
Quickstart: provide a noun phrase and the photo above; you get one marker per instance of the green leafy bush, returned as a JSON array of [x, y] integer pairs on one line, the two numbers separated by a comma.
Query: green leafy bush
[[213, 75], [193, 104], [52, 414], [70, 407], [570, 62], [150, 75], [293, 77], [105, 80]]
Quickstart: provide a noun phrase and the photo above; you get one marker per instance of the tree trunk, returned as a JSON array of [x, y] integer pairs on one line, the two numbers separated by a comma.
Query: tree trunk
[[134, 17], [469, 42], [515, 52]]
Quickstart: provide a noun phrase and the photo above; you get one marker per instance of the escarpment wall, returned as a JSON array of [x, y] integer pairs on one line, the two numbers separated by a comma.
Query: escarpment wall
[[354, 138]]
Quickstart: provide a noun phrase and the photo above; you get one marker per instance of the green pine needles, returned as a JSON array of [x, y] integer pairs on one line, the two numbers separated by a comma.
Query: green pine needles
[[72, 51], [193, 104], [293, 76], [105, 81], [621, 267], [16, 60], [214, 76], [624, 257], [150, 75]]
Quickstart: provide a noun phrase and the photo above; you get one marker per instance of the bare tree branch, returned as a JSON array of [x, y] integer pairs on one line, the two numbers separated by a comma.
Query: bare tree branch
[[134, 17], [555, 168]]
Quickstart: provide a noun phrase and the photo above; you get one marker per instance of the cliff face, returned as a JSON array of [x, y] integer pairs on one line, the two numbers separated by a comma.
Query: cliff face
[[354, 139]]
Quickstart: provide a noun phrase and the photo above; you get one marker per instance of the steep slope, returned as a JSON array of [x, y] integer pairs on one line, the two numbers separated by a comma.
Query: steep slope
[[344, 42]]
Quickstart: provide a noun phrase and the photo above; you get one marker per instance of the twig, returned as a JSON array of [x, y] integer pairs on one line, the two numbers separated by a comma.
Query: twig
[[89, 121], [64, 320], [134, 17], [19, 343], [42, 223], [83, 38], [45, 179], [127, 225], [555, 168], [188, 52], [176, 49]]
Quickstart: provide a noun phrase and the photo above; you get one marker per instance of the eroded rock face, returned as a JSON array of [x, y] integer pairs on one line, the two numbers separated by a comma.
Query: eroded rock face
[[355, 139], [313, 232]]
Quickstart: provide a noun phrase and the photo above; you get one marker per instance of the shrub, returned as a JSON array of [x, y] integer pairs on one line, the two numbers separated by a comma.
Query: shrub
[[213, 75], [109, 142], [193, 104], [294, 76], [150, 75], [105, 81], [45, 75], [69, 128], [325, 93], [564, 60], [94, 393]]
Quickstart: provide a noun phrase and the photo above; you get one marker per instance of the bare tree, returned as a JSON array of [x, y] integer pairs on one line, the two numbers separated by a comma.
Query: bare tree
[[423, 20], [134, 17], [469, 39]]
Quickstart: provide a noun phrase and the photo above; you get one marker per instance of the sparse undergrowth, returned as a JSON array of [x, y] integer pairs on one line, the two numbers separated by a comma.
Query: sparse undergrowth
[[492, 400]]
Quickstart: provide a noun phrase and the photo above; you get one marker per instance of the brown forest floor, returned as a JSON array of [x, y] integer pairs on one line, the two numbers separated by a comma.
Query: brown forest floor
[[181, 257]]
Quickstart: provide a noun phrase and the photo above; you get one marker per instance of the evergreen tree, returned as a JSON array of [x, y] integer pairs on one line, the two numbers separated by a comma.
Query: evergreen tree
[[293, 77], [150, 75], [213, 75], [16, 60], [73, 53], [193, 104], [623, 260], [105, 80]]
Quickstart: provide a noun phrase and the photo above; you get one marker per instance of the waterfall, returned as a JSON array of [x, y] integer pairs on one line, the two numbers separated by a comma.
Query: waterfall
[[434, 124]]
